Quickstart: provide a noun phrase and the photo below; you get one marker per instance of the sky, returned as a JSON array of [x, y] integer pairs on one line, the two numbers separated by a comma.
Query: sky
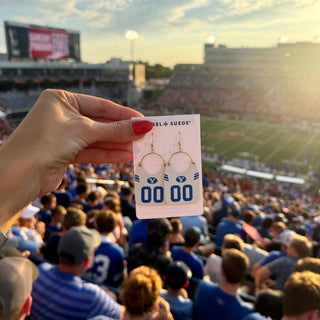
[[170, 31]]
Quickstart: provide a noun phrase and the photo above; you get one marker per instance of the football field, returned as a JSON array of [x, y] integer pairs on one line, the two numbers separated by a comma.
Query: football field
[[270, 144]]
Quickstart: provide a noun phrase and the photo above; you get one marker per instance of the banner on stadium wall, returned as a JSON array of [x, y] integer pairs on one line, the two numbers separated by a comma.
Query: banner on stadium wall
[[35, 42]]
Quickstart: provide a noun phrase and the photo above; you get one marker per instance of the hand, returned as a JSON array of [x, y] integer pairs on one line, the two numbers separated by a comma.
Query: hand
[[163, 311], [62, 128]]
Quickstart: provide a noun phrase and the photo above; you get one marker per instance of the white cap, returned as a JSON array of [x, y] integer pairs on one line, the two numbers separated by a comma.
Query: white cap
[[29, 212], [285, 236]]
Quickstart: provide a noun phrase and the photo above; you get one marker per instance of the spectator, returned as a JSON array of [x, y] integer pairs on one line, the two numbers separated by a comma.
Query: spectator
[[175, 236], [231, 224], [186, 253], [55, 225], [93, 202], [205, 248], [176, 279], [48, 202], [276, 229], [221, 213], [308, 264], [119, 233], [213, 302], [82, 191], [73, 298], [26, 232], [141, 296], [302, 296], [154, 252], [16, 277], [268, 305], [212, 267], [108, 261], [284, 239], [128, 209], [299, 247], [264, 229], [73, 218], [64, 197]]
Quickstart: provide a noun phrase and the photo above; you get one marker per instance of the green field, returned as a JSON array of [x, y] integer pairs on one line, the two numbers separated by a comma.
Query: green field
[[272, 144]]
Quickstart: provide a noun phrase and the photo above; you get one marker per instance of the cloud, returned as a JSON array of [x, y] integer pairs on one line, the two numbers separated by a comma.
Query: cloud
[[179, 12]]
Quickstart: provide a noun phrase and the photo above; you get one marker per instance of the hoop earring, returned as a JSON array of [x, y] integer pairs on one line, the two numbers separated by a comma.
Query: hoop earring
[[181, 188], [149, 187]]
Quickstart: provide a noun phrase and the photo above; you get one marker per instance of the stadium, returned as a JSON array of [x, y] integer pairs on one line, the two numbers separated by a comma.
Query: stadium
[[258, 223]]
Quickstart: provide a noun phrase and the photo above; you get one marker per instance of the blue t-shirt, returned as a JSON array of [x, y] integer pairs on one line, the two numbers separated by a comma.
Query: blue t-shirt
[[44, 216], [191, 260], [228, 227], [107, 265], [181, 308], [273, 255], [211, 303], [138, 232], [58, 296]]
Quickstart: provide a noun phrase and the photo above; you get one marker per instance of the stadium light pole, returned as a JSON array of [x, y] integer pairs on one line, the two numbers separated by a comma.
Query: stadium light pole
[[131, 35]]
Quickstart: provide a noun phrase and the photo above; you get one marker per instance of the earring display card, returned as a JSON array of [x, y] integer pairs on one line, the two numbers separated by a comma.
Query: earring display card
[[167, 165]]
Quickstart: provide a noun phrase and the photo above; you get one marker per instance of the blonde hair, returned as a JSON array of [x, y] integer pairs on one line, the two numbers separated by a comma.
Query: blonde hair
[[141, 290], [301, 293], [302, 245], [231, 241]]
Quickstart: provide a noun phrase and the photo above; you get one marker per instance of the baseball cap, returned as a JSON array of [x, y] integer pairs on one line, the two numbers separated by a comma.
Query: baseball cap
[[178, 273], [78, 243], [29, 212], [285, 236], [16, 277]]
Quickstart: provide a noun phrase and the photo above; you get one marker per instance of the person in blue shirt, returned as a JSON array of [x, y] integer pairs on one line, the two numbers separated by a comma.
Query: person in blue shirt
[[221, 302], [176, 279], [108, 261], [230, 225], [185, 252]]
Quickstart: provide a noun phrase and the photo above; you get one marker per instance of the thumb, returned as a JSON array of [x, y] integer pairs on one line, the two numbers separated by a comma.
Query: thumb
[[121, 131]]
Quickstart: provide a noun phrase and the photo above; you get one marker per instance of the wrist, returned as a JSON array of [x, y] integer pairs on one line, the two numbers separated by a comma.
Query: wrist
[[16, 192]]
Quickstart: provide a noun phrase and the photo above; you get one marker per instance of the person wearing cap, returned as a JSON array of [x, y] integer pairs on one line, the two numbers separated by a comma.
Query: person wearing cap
[[74, 128], [16, 277], [230, 225], [177, 278], [60, 293], [26, 230], [284, 239], [221, 302], [280, 269]]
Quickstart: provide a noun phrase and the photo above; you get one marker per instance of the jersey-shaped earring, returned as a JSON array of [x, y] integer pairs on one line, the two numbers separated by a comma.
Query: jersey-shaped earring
[[181, 188], [149, 187]]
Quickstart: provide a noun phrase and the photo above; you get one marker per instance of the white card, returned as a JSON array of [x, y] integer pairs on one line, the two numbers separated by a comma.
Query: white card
[[167, 167]]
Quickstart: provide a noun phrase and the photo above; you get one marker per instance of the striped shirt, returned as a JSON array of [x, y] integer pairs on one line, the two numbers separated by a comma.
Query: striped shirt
[[58, 296]]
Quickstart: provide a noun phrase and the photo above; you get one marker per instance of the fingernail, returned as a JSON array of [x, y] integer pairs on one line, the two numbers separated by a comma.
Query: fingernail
[[141, 127]]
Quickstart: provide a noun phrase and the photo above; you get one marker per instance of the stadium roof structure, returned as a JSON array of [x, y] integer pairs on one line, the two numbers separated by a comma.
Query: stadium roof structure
[[262, 175]]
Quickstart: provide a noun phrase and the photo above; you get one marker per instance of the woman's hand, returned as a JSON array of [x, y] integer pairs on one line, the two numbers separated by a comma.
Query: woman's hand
[[63, 128]]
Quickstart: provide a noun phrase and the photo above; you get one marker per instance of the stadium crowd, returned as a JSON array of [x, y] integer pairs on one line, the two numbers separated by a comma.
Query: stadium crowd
[[244, 94], [79, 252], [199, 261]]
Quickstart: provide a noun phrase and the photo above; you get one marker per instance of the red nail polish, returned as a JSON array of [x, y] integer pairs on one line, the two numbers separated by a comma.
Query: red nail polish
[[141, 127]]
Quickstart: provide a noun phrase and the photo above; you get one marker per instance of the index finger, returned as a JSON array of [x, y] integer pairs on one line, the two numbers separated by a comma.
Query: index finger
[[98, 108]]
